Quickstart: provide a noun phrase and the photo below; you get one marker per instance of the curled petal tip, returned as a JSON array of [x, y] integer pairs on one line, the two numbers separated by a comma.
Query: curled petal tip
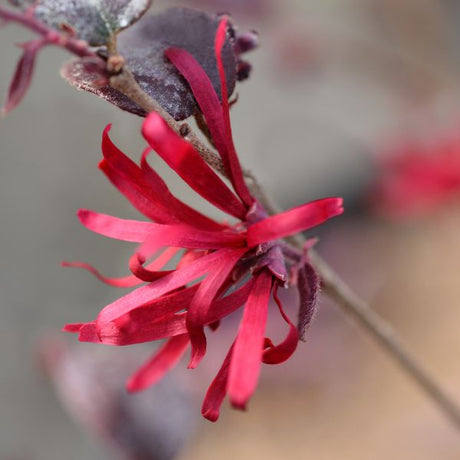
[[107, 130], [82, 215], [340, 203], [194, 361], [72, 328], [132, 386], [239, 404], [103, 165], [333, 206], [152, 125], [210, 415]]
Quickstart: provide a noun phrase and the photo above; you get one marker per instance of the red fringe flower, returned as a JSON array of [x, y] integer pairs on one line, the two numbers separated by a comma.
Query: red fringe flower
[[222, 267]]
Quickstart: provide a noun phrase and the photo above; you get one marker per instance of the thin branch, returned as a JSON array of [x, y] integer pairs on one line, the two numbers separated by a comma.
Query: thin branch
[[51, 36]]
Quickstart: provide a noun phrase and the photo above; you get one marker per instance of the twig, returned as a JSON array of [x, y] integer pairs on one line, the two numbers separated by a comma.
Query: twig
[[333, 285], [52, 37]]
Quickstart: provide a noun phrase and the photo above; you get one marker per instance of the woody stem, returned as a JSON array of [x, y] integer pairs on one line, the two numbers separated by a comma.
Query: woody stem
[[385, 335], [334, 286]]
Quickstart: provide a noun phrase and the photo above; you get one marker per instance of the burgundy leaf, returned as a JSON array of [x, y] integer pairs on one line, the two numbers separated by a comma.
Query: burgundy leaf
[[23, 75], [308, 286], [88, 75], [143, 47]]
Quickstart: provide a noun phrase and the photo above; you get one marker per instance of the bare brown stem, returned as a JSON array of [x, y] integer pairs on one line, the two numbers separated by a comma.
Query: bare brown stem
[[333, 285], [385, 335]]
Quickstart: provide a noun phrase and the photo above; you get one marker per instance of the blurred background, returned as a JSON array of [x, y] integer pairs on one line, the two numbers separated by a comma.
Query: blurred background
[[339, 89]]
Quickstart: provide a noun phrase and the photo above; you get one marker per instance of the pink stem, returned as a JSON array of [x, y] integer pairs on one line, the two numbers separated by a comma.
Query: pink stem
[[50, 36]]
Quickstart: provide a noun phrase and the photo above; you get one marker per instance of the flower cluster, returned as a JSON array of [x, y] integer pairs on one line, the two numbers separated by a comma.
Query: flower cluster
[[221, 266]]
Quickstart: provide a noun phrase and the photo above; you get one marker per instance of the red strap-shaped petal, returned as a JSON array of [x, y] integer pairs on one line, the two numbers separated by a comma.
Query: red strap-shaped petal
[[186, 213], [163, 361], [217, 116], [87, 332], [206, 97], [163, 307], [183, 236], [282, 352], [177, 235], [113, 227], [187, 163], [73, 328], [127, 177], [236, 171], [152, 271], [225, 306], [168, 283], [217, 391], [159, 319], [139, 273], [122, 332], [201, 303], [247, 354], [293, 221], [136, 265], [146, 190]]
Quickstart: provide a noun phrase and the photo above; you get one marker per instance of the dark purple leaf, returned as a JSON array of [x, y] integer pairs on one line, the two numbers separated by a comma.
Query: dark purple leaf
[[87, 74], [308, 285], [144, 44], [143, 47], [23, 75], [94, 21]]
